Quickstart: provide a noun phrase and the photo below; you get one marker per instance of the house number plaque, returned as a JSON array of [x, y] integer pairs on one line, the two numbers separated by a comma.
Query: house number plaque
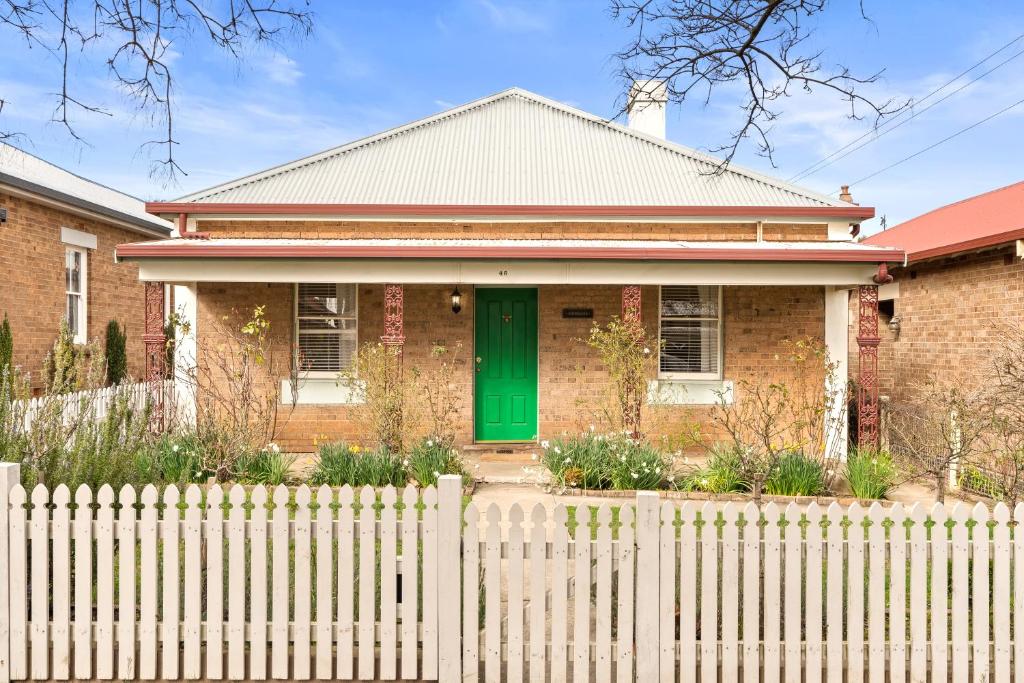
[[577, 312]]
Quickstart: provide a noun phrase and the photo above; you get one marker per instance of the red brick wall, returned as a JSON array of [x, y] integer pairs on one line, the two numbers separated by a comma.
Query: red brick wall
[[32, 287], [949, 312], [524, 230], [756, 322]]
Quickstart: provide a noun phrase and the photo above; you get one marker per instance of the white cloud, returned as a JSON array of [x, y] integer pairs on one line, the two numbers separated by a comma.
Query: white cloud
[[281, 69], [511, 17]]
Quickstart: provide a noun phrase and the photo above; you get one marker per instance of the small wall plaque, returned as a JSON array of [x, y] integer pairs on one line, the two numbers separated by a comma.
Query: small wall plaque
[[577, 312]]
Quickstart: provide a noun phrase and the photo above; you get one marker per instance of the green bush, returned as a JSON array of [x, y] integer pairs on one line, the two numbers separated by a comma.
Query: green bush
[[871, 474], [338, 464], [429, 459], [6, 347], [267, 466], [603, 461], [116, 353], [175, 459], [720, 474], [795, 474]]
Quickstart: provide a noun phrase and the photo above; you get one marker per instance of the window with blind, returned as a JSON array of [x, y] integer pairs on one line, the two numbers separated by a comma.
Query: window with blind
[[75, 312], [326, 324], [691, 331]]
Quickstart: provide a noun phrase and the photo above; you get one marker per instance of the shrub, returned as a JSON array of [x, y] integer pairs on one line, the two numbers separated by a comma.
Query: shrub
[[116, 354], [338, 464], [387, 409], [6, 347], [625, 349], [795, 474], [175, 459], [722, 473], [265, 466], [871, 474], [61, 363], [600, 461], [429, 459]]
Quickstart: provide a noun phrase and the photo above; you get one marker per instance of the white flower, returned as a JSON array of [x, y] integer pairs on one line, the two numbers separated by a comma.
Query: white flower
[[671, 478], [704, 482], [635, 475], [558, 451], [175, 448], [591, 427], [566, 461], [406, 462], [436, 473], [429, 443], [545, 444], [273, 448], [647, 351], [533, 456]]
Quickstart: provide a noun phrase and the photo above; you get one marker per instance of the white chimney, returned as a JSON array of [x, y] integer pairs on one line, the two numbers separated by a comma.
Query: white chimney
[[646, 107]]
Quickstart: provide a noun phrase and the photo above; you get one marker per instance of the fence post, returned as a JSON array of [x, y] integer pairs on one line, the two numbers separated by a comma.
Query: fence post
[[449, 572], [10, 476], [648, 562]]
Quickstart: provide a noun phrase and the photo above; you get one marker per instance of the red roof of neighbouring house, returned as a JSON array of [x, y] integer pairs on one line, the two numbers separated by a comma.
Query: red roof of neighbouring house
[[986, 220]]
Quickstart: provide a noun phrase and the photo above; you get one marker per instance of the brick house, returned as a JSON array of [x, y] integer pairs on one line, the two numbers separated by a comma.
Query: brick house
[[544, 219], [58, 232], [964, 276]]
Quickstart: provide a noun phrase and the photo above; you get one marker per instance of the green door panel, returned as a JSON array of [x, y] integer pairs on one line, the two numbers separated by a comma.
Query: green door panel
[[505, 403]]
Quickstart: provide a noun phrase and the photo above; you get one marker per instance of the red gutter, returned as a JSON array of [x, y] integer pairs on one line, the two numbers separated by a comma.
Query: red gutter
[[213, 209], [200, 249], [969, 245]]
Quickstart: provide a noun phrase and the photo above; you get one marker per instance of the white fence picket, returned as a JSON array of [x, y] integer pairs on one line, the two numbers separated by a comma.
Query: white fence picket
[[492, 590], [751, 593], [60, 592], [346, 580], [1001, 594], [855, 593], [918, 593], [538, 593], [18, 583], [193, 571], [559, 595], [961, 586], [429, 581], [324, 583], [470, 598], [981, 636], [214, 582], [410, 582], [730, 592], [687, 593], [897, 595], [105, 583], [302, 615], [367, 583], [772, 593], [149, 583], [126, 584], [237, 582], [667, 573], [648, 546], [709, 576], [170, 614], [514, 596], [83, 583], [834, 595], [939, 605], [814, 595], [792, 618], [603, 592], [876, 650], [280, 582], [39, 629], [580, 598], [626, 589], [388, 581], [259, 599]]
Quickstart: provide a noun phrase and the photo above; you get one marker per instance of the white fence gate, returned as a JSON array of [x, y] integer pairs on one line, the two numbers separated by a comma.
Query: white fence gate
[[344, 584]]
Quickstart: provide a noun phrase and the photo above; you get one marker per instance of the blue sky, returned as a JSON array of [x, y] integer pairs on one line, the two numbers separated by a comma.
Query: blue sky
[[370, 66]]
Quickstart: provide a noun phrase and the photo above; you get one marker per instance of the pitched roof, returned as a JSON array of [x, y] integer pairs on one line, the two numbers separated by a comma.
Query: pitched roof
[[986, 220], [514, 148], [27, 173]]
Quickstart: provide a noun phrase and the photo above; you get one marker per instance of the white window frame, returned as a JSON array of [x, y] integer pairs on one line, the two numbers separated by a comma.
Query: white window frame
[[81, 335], [718, 374], [315, 374]]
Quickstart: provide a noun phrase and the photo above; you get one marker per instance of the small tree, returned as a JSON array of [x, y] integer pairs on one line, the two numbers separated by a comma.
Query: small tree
[[1002, 453], [939, 430], [116, 353], [6, 346], [386, 412], [61, 363], [629, 354], [441, 394]]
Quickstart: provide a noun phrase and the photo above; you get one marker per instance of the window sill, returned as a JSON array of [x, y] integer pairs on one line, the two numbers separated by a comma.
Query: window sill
[[689, 392], [320, 391]]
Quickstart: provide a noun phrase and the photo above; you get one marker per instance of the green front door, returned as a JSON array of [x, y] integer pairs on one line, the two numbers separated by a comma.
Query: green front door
[[506, 365]]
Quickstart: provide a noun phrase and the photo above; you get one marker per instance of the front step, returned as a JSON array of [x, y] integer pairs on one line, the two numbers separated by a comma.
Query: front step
[[515, 453]]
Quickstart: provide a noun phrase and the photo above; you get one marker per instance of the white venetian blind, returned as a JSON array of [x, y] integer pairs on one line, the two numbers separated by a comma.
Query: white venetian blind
[[690, 330], [325, 317]]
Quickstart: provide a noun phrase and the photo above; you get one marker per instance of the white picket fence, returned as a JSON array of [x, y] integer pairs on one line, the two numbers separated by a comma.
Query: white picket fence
[[343, 584], [95, 404]]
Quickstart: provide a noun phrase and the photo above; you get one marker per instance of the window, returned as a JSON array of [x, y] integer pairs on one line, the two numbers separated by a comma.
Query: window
[[325, 320], [75, 264], [691, 331]]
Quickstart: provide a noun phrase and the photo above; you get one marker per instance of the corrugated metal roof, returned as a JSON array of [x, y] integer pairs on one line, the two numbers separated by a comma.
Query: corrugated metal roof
[[30, 173], [512, 148]]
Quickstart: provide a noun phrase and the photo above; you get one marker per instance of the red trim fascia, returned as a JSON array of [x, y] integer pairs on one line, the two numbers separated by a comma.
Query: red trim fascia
[[969, 245], [201, 250], [220, 209]]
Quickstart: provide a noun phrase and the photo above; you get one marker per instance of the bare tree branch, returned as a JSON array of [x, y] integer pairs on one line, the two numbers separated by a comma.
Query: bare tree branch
[[140, 60], [700, 46]]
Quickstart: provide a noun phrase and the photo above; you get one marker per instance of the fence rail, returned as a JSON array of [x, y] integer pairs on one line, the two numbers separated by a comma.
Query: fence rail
[[411, 584]]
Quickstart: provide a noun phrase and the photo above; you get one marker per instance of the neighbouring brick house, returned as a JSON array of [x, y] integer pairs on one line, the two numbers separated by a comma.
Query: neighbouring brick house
[[58, 232], [544, 219], [963, 278]]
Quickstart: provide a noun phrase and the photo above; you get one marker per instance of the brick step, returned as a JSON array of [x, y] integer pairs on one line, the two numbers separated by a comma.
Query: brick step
[[517, 453]]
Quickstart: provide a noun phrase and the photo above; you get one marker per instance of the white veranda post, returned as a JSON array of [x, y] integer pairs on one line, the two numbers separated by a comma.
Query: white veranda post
[[837, 316]]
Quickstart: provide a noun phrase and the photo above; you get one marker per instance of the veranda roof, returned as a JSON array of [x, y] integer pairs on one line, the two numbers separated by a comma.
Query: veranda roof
[[511, 150]]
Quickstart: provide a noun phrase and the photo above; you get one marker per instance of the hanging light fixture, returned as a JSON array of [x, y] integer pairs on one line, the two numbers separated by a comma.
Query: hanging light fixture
[[456, 300]]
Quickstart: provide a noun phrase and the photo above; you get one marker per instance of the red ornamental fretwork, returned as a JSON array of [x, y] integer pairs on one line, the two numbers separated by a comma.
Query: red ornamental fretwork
[[631, 303], [868, 418], [394, 318], [153, 334]]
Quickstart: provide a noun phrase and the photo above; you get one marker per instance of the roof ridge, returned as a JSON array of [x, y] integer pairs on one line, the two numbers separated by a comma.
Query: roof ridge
[[610, 125], [71, 173], [965, 200]]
